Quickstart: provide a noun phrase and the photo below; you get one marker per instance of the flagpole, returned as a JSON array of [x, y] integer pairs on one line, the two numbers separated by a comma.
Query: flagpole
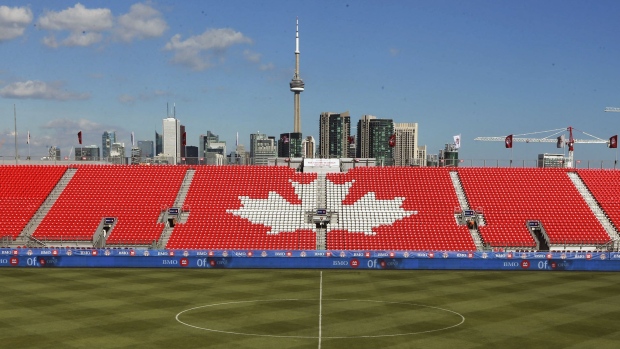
[[15, 125], [28, 144]]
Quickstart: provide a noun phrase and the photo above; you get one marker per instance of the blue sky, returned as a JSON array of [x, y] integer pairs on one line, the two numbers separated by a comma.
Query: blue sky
[[475, 68]]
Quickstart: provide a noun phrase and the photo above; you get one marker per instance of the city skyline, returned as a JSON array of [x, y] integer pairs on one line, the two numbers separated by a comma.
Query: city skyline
[[478, 68]]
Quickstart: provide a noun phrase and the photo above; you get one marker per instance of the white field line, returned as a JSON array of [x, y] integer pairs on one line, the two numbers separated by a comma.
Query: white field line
[[320, 308]]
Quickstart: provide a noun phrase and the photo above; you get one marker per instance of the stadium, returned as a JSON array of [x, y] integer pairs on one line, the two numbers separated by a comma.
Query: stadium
[[295, 256]]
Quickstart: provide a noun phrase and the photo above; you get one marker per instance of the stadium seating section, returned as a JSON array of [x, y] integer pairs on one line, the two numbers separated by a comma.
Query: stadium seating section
[[134, 195], [22, 191], [427, 191], [605, 187], [510, 197], [216, 190], [260, 207]]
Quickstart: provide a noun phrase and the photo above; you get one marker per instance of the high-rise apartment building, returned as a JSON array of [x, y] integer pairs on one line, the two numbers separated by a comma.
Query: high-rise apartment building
[[421, 160], [373, 139], [405, 151], [172, 139], [363, 136], [107, 139], [308, 146], [379, 140], [334, 132]]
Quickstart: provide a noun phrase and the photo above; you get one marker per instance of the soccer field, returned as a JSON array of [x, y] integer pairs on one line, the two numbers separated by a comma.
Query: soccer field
[[155, 308]]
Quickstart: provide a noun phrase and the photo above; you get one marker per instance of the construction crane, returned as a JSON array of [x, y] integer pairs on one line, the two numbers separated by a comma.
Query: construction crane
[[551, 138], [612, 110]]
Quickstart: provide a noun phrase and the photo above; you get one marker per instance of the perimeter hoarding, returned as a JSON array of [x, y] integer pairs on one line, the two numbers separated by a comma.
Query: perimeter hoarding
[[129, 258]]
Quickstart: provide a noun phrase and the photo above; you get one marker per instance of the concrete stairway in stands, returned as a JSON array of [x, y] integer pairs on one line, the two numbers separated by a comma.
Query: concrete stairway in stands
[[595, 207], [38, 217], [178, 202], [321, 201], [460, 194]]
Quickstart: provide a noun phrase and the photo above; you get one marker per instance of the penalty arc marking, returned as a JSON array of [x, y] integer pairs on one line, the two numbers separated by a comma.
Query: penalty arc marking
[[316, 337]]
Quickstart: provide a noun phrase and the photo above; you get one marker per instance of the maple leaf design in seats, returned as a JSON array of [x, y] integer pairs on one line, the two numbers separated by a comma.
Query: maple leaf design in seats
[[281, 216]]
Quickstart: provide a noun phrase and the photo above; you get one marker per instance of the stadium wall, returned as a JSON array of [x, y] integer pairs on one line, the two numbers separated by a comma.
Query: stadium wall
[[429, 260]]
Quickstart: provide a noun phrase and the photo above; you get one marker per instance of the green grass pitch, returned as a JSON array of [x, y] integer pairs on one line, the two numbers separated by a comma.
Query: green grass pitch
[[190, 308]]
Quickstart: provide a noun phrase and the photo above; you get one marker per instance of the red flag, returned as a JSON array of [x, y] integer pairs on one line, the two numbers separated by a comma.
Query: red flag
[[80, 137], [613, 141], [392, 141], [351, 139], [508, 141], [184, 139]]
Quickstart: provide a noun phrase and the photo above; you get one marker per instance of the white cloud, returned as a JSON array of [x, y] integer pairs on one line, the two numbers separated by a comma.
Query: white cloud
[[127, 99], [142, 22], [13, 21], [82, 39], [196, 51], [40, 90], [84, 25], [255, 57], [78, 18], [252, 56], [268, 66], [65, 124], [394, 51]]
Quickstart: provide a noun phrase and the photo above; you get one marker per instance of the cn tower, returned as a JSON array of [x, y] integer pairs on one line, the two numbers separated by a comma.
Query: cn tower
[[297, 85]]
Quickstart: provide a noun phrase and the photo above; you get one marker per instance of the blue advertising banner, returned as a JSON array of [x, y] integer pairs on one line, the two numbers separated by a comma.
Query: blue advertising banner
[[142, 258]]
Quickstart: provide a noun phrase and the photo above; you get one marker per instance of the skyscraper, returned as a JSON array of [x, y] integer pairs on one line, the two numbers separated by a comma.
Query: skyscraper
[[308, 146], [107, 139], [172, 139], [146, 149], [334, 132], [262, 148], [421, 161], [373, 137], [405, 150], [183, 140], [289, 145], [205, 140], [159, 144], [379, 140], [191, 155], [296, 84], [363, 129], [87, 153]]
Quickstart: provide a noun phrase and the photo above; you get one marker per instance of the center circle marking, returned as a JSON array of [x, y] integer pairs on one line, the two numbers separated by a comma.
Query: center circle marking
[[177, 317]]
